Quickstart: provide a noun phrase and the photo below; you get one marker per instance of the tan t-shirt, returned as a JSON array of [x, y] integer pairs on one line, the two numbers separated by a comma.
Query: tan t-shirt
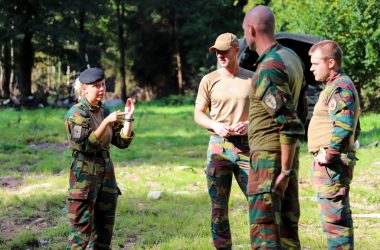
[[226, 96]]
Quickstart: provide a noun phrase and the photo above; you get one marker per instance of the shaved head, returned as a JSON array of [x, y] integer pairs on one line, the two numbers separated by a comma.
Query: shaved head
[[262, 18]]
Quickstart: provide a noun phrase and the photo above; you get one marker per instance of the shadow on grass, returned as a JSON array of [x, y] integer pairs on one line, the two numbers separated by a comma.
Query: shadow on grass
[[370, 137]]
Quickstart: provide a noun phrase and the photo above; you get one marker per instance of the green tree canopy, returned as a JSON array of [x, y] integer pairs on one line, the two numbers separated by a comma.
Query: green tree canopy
[[353, 24]]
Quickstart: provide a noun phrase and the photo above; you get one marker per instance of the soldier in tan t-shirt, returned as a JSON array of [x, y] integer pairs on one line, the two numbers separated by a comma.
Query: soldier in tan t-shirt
[[224, 94]]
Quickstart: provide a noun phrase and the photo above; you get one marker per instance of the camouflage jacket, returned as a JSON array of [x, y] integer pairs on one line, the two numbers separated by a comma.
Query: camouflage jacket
[[276, 88], [80, 129], [343, 109]]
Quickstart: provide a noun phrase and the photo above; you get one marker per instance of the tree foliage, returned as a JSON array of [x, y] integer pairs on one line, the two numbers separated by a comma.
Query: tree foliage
[[353, 24], [160, 30], [165, 41]]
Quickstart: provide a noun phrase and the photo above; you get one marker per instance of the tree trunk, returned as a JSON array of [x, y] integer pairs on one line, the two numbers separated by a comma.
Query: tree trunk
[[83, 59], [120, 22], [7, 68], [178, 57], [26, 58], [179, 73]]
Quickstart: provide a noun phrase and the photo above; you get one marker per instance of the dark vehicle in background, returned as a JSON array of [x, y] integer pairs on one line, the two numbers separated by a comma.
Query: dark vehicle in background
[[300, 44]]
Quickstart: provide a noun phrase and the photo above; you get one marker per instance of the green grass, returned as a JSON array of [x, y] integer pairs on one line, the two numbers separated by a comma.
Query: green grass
[[33, 152]]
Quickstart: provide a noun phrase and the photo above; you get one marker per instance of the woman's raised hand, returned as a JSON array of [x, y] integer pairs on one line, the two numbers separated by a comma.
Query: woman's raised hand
[[129, 109], [116, 116]]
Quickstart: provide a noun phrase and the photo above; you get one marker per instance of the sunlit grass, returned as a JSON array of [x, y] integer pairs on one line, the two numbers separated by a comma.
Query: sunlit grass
[[168, 155]]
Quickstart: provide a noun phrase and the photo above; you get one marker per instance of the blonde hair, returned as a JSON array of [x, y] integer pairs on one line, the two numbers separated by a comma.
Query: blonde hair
[[329, 50], [78, 89]]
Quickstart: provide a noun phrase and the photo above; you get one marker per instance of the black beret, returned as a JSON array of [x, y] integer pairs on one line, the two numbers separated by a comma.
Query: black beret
[[91, 75]]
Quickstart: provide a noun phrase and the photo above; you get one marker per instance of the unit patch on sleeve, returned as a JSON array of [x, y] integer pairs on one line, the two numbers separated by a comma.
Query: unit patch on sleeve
[[77, 130], [332, 104], [270, 101]]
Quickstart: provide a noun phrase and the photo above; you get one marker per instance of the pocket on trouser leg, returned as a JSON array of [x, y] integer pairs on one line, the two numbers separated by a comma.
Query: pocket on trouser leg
[[81, 194], [80, 215], [261, 206], [264, 167], [335, 207]]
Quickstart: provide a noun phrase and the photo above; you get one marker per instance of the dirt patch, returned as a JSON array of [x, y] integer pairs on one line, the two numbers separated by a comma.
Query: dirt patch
[[10, 227], [15, 223], [10, 182], [60, 147], [132, 240]]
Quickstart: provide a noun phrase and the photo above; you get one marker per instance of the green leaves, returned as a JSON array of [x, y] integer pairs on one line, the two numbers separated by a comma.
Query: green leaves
[[353, 24]]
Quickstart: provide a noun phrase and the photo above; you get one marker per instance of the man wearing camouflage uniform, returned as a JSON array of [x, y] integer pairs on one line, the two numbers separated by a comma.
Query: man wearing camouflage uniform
[[224, 93], [333, 129], [274, 129], [93, 190]]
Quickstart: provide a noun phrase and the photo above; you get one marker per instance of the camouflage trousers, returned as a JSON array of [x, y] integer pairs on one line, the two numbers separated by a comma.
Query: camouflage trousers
[[225, 157], [273, 220], [92, 200], [332, 182]]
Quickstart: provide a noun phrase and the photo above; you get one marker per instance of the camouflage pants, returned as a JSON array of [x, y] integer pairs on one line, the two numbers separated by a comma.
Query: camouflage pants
[[332, 182], [225, 158], [273, 220], [92, 200]]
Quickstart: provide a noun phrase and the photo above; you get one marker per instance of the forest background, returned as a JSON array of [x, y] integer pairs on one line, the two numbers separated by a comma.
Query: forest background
[[158, 48]]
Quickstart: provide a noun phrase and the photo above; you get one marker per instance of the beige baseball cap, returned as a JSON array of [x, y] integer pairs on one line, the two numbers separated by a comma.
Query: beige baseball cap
[[224, 42]]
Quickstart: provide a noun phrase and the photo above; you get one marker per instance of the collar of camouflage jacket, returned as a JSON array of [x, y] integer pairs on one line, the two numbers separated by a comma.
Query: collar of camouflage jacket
[[93, 108], [334, 75], [275, 46]]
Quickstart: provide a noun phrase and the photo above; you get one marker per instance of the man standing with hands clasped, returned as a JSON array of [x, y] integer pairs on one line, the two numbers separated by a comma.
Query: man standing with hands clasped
[[274, 129], [333, 130], [224, 94]]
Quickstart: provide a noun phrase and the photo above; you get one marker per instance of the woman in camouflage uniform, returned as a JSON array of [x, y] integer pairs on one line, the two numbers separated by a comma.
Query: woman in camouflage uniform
[[93, 190]]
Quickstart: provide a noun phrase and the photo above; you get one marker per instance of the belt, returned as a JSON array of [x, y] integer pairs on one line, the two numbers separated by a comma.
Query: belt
[[342, 153], [235, 138], [102, 153]]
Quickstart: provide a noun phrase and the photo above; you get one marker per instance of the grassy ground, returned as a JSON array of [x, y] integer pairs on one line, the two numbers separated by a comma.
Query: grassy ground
[[168, 155]]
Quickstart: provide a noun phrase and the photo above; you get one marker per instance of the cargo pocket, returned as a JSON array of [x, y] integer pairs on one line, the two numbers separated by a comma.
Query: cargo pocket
[[261, 209], [82, 181], [77, 193], [334, 204], [111, 190], [336, 183], [264, 167]]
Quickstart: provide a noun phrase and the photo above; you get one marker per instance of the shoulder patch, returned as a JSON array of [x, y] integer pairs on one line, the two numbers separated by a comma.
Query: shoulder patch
[[77, 130], [332, 104], [270, 101]]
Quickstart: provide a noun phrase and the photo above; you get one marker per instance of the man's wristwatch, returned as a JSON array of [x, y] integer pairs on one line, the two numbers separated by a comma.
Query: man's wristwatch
[[287, 173]]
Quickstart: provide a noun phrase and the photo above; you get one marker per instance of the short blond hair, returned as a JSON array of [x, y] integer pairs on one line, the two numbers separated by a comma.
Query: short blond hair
[[329, 50]]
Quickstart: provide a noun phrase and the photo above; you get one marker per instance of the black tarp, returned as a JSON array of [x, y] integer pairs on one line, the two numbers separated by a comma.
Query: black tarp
[[299, 43]]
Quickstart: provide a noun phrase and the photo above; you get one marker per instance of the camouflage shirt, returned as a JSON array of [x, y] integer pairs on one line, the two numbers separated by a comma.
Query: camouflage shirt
[[82, 120], [341, 104], [276, 87]]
